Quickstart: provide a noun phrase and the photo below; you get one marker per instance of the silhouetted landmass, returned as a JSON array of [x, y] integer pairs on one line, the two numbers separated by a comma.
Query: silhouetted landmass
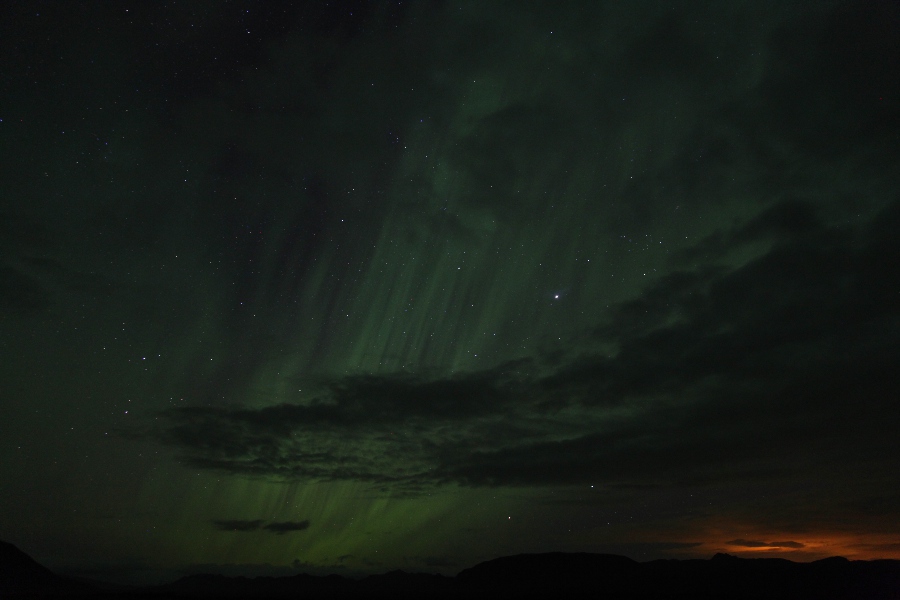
[[21, 575], [551, 575]]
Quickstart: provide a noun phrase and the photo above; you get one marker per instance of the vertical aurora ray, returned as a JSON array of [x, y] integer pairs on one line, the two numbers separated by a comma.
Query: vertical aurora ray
[[448, 281]]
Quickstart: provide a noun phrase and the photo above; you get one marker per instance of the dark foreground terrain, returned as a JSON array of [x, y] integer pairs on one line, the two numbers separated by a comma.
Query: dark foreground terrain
[[552, 575]]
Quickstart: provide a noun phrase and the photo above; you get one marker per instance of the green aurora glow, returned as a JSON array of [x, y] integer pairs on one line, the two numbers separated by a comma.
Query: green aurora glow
[[448, 282]]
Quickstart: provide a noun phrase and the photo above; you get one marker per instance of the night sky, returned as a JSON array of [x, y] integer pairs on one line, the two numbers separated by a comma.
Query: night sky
[[347, 287]]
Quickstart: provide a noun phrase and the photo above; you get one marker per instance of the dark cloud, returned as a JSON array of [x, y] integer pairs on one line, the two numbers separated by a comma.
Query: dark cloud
[[276, 527], [761, 544], [880, 548], [846, 60], [758, 370], [237, 525], [282, 527], [783, 221], [389, 429]]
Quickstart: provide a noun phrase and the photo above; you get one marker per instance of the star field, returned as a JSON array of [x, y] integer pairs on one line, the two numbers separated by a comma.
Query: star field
[[360, 286]]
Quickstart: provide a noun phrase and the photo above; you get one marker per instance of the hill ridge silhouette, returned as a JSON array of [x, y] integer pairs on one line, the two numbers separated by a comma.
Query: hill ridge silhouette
[[535, 575]]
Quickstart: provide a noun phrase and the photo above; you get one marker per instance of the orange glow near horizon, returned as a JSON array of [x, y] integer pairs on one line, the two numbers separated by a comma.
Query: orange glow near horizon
[[803, 547], [704, 538]]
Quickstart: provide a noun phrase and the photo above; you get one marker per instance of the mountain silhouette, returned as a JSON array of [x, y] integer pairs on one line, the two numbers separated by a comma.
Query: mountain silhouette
[[21, 575], [554, 574]]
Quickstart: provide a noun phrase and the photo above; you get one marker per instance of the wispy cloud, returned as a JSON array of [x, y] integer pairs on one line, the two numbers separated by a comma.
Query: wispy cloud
[[282, 527]]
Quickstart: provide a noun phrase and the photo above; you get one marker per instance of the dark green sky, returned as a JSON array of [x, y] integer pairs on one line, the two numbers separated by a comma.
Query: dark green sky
[[357, 286]]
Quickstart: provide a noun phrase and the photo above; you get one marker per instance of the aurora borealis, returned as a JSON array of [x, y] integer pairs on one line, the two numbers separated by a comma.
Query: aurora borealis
[[358, 286]]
